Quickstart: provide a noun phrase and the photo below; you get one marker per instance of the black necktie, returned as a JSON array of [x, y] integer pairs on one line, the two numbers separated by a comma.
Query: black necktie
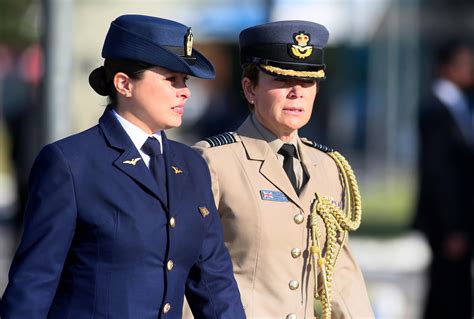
[[152, 148], [289, 152]]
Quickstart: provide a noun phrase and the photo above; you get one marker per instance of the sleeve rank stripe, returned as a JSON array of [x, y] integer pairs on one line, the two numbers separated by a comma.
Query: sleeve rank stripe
[[322, 147], [221, 139], [318, 146], [230, 136], [209, 140]]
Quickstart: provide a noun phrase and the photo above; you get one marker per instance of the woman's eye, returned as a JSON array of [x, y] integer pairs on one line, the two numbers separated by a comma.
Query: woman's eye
[[171, 79]]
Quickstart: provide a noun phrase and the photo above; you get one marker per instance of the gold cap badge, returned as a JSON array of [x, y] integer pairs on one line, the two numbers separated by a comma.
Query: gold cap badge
[[188, 43], [301, 49]]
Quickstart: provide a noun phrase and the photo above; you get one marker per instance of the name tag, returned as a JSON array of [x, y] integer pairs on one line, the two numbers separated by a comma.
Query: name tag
[[275, 196]]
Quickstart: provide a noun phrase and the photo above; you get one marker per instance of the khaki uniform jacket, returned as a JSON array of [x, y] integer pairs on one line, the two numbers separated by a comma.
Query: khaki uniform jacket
[[267, 241]]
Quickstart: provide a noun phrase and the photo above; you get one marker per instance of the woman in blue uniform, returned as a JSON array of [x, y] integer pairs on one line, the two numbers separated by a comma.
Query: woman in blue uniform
[[120, 220]]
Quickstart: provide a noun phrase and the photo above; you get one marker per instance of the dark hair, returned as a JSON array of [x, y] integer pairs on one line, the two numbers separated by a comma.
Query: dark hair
[[250, 71], [447, 52], [101, 79]]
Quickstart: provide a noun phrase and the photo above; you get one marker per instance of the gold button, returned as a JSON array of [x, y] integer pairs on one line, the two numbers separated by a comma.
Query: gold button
[[166, 308], [295, 252], [299, 218], [169, 265], [172, 222], [293, 284], [291, 316]]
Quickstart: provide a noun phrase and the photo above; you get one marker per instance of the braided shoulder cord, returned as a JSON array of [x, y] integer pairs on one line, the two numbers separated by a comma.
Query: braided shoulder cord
[[336, 221]]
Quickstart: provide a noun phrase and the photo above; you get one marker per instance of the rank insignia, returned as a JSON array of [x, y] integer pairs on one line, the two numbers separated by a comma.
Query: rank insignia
[[274, 196], [301, 49], [188, 43], [176, 170], [204, 211], [133, 161]]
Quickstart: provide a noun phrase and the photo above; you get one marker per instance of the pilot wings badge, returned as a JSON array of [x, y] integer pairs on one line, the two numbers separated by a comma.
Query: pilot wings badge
[[176, 170], [133, 161]]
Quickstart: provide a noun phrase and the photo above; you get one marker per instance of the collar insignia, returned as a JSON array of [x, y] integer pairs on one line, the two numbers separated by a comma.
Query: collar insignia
[[301, 49], [188, 43], [204, 211], [176, 170], [133, 161]]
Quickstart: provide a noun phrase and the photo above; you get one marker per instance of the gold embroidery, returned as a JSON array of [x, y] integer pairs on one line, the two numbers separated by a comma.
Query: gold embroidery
[[307, 74]]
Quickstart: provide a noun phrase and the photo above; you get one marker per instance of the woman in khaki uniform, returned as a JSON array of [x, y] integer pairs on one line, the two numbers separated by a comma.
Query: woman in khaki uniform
[[266, 178]]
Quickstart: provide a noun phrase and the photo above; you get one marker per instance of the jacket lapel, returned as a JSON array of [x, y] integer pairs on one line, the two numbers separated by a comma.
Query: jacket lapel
[[129, 161], [257, 149], [309, 166], [177, 174]]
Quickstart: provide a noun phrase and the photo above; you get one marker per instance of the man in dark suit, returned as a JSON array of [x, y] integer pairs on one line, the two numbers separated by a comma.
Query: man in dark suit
[[446, 166], [121, 221]]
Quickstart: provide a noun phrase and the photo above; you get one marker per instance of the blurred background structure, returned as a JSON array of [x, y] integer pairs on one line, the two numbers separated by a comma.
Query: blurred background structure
[[379, 61]]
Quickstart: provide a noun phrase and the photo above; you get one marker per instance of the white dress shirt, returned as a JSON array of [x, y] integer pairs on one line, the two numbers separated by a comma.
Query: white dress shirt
[[457, 104], [138, 136]]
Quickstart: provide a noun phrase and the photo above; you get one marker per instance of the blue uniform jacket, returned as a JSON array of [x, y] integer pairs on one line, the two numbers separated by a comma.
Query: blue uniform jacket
[[98, 241]]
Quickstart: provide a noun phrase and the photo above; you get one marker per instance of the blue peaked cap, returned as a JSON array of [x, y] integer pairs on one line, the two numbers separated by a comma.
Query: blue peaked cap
[[292, 49], [155, 41]]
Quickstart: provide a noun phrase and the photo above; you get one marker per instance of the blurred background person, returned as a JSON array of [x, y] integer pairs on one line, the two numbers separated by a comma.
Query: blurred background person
[[20, 106], [446, 167]]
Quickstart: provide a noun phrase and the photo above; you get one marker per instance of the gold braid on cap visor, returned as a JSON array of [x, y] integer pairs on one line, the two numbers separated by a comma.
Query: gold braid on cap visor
[[302, 74]]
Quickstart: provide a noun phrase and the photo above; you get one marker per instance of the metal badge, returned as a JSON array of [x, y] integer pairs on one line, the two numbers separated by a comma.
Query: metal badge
[[188, 43], [301, 49], [176, 170], [133, 161], [204, 211]]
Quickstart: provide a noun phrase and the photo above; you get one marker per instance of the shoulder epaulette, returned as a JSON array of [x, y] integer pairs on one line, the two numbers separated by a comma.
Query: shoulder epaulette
[[318, 146], [221, 139]]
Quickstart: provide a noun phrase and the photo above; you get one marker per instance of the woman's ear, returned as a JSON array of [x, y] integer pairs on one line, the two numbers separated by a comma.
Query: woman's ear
[[249, 90], [123, 84]]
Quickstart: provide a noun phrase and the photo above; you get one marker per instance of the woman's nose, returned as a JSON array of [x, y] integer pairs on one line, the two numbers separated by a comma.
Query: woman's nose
[[296, 91]]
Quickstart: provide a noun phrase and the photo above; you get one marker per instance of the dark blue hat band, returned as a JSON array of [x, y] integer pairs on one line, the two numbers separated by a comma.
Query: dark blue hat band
[[278, 53]]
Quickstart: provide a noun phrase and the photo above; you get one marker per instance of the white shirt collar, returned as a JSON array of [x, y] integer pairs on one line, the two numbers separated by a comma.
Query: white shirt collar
[[456, 103], [448, 93], [136, 134]]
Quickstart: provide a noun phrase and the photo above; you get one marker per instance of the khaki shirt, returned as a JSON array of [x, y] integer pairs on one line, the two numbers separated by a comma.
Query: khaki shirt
[[267, 234], [275, 145]]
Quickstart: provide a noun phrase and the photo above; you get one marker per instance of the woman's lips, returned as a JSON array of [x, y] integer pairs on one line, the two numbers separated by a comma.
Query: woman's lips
[[293, 110], [178, 109]]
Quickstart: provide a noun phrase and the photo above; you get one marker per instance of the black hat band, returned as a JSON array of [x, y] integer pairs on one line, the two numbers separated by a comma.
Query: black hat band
[[179, 51], [280, 53]]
